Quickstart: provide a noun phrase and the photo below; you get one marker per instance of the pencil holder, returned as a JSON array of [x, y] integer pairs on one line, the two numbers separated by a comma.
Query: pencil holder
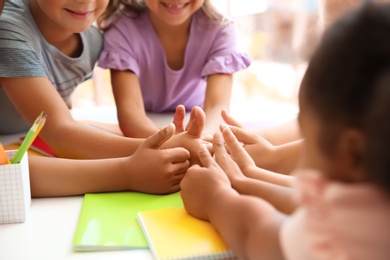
[[15, 195]]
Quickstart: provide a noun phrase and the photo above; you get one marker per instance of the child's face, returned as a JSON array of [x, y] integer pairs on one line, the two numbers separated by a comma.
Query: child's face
[[72, 15], [173, 12]]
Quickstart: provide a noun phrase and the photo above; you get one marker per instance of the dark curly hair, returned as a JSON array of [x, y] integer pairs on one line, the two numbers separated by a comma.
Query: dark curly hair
[[342, 83]]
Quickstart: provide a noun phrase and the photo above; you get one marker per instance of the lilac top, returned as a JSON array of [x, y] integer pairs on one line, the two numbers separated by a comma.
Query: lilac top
[[132, 44]]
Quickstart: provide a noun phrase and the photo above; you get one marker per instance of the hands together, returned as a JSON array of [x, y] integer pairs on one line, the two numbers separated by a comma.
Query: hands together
[[259, 149], [192, 137], [171, 151], [162, 160], [202, 185]]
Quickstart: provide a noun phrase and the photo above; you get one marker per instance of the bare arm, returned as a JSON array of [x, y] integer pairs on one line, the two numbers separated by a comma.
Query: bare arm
[[281, 159], [64, 177], [247, 179], [275, 135], [132, 117], [250, 226], [218, 93], [65, 136], [245, 163], [283, 133]]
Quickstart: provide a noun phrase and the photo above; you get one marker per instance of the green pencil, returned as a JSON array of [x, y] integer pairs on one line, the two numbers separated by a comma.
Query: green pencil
[[29, 139]]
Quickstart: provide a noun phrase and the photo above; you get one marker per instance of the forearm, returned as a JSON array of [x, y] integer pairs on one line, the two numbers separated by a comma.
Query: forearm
[[132, 118], [135, 123], [248, 225], [77, 141], [279, 196], [286, 157], [282, 134], [280, 159], [217, 98], [213, 118], [52, 177], [270, 177]]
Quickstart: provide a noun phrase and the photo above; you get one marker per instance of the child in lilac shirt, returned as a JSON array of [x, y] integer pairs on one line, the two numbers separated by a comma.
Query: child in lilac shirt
[[162, 55], [343, 196]]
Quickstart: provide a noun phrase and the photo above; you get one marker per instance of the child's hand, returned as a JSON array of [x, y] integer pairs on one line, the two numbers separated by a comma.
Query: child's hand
[[191, 138], [154, 170], [178, 120], [259, 149], [225, 161], [238, 154], [202, 186]]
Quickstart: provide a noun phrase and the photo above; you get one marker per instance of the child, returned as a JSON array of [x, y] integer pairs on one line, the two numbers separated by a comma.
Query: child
[[47, 48], [162, 54], [277, 148], [344, 201]]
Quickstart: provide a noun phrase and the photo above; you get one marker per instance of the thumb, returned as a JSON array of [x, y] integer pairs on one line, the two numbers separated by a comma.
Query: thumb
[[157, 139], [196, 122], [178, 118]]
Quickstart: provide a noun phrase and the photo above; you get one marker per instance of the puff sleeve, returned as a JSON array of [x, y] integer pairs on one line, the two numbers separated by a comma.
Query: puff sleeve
[[118, 53], [224, 57]]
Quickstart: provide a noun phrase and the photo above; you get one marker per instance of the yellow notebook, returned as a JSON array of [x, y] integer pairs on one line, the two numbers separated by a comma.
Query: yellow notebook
[[174, 234]]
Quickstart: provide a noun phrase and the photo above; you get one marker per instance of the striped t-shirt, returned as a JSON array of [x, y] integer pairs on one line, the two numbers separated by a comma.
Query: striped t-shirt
[[24, 52]]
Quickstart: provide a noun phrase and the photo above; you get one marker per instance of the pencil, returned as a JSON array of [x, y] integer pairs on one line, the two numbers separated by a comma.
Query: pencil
[[41, 124], [29, 139], [3, 156]]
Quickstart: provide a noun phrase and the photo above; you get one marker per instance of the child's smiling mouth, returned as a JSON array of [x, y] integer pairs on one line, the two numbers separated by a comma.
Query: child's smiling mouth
[[79, 14], [174, 7]]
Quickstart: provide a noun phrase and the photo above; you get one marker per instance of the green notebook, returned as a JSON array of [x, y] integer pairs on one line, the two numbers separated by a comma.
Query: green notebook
[[108, 221]]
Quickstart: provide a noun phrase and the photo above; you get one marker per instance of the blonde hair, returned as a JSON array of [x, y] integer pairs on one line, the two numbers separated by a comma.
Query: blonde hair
[[117, 8]]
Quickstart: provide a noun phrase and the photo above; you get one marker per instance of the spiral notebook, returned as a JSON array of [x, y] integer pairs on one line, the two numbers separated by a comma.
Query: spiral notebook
[[108, 221], [174, 234]]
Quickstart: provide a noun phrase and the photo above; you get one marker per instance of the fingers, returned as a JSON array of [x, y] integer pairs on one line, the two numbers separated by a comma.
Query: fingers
[[157, 139], [230, 120], [234, 146], [178, 118], [205, 157], [196, 123], [221, 155], [243, 135], [219, 146], [178, 155], [231, 141], [181, 167]]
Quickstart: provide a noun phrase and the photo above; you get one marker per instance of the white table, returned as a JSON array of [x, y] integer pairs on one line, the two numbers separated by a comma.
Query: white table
[[51, 224], [48, 234]]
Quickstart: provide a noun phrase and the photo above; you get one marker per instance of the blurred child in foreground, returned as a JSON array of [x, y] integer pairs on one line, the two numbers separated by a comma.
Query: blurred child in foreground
[[343, 190]]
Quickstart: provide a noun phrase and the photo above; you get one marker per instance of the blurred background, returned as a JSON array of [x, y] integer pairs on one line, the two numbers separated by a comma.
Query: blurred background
[[279, 36]]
